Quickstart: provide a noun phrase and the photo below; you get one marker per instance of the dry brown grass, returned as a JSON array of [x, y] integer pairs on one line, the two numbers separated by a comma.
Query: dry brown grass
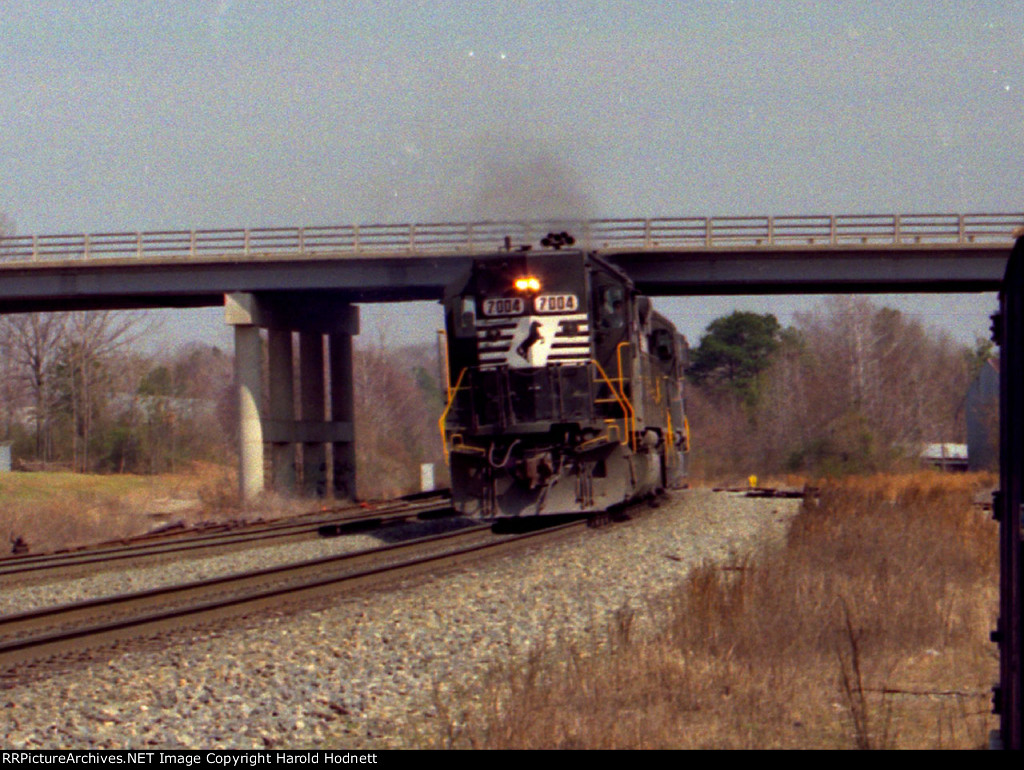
[[868, 629], [58, 510]]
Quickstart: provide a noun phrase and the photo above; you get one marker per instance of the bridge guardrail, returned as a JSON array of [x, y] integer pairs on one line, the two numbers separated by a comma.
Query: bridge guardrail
[[474, 237]]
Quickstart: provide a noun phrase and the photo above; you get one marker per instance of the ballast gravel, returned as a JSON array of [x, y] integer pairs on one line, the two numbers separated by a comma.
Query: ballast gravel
[[363, 672], [120, 581]]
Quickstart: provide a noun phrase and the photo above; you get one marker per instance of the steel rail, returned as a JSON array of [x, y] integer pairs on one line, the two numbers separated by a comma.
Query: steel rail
[[70, 628], [205, 542], [433, 238]]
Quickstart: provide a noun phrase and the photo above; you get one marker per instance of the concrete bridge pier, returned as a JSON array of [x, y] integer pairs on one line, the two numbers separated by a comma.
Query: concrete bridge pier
[[283, 458], [314, 414], [248, 379], [323, 426], [343, 411]]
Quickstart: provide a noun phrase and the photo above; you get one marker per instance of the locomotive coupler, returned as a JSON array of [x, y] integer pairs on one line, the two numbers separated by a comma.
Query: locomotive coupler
[[537, 469]]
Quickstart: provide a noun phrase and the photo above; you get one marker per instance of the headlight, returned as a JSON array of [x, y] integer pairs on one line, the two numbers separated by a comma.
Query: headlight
[[529, 283]]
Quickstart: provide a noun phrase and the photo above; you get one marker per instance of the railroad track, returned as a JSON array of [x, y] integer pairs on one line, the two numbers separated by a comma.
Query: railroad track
[[749, 491], [70, 629], [41, 567]]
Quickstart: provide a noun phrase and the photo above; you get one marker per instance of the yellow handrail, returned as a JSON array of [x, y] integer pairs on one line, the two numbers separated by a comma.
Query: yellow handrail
[[626, 407], [622, 392], [670, 436], [628, 416], [444, 414]]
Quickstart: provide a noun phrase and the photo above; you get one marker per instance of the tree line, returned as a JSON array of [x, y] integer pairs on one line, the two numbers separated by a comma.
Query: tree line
[[850, 387], [79, 394]]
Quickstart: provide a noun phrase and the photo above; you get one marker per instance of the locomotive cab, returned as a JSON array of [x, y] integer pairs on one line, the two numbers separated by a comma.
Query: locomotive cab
[[555, 402]]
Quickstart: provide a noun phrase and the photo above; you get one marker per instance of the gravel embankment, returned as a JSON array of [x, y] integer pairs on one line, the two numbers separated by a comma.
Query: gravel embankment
[[362, 673]]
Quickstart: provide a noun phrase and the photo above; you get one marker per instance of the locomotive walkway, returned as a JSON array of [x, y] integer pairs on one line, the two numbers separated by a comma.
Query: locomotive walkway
[[365, 263]]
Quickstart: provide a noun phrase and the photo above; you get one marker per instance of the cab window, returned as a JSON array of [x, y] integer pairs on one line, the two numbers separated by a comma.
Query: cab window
[[612, 308], [465, 317]]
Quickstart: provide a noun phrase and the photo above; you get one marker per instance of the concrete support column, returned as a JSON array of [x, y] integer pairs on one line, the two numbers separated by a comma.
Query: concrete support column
[[311, 379], [343, 411], [282, 409], [248, 364], [313, 315]]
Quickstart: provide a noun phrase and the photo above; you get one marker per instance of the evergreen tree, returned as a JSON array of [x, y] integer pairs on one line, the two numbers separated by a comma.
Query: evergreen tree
[[734, 352]]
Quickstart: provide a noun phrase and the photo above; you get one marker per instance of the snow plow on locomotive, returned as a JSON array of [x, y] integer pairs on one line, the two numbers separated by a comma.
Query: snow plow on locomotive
[[564, 388]]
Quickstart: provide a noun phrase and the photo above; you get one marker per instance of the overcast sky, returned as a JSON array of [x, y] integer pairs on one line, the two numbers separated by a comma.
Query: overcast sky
[[162, 114]]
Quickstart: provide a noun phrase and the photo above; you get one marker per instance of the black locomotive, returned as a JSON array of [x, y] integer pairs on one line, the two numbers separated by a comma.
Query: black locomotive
[[564, 388]]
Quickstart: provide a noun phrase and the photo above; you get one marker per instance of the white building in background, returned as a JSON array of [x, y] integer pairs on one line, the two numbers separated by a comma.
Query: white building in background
[[945, 457]]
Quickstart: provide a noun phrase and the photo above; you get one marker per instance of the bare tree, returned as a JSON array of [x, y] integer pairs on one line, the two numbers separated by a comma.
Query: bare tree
[[875, 384], [396, 417], [10, 384], [33, 341], [176, 407], [90, 341]]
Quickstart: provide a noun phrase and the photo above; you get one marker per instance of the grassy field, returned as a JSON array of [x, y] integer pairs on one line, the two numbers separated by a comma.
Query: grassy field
[[54, 510], [867, 629]]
